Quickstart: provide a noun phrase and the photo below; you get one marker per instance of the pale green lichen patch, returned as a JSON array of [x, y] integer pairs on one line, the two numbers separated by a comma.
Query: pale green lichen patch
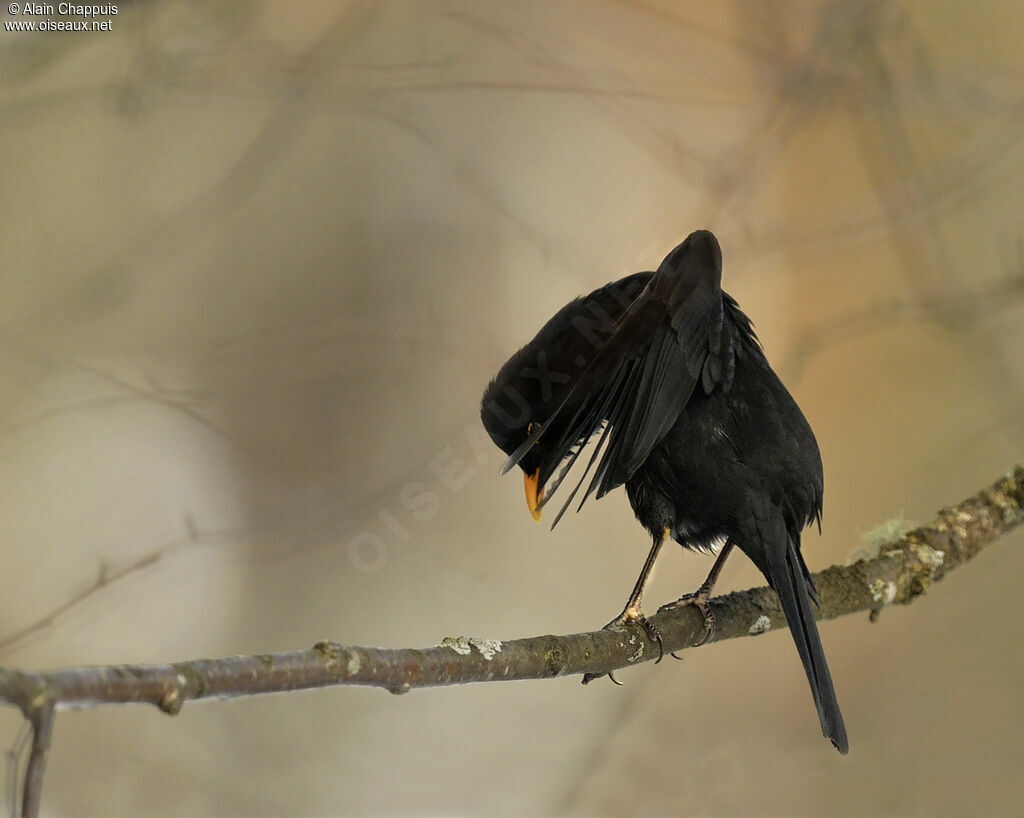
[[1008, 496], [883, 592], [960, 521], [354, 663], [460, 644], [463, 645], [916, 576], [880, 536], [638, 654], [761, 624], [929, 556], [488, 647]]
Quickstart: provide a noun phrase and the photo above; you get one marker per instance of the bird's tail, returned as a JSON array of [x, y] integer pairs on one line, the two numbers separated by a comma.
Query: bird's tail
[[792, 583]]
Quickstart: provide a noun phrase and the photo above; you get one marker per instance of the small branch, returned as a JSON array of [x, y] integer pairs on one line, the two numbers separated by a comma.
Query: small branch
[[962, 311], [42, 731], [104, 578], [13, 768], [902, 571]]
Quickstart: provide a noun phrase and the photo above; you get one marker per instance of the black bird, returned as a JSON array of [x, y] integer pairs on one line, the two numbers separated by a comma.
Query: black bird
[[668, 371]]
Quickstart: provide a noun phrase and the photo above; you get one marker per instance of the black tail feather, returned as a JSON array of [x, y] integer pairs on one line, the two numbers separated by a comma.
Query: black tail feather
[[787, 575]]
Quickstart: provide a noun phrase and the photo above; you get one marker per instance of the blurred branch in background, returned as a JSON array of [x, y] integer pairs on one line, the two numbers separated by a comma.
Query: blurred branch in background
[[902, 571], [962, 310]]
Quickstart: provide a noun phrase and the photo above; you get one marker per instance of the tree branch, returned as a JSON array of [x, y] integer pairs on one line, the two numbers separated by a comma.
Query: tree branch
[[41, 720], [903, 570]]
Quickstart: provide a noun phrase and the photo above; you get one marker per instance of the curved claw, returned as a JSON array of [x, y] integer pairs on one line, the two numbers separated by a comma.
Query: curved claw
[[699, 599], [589, 677], [654, 635], [675, 655], [631, 616], [709, 626]]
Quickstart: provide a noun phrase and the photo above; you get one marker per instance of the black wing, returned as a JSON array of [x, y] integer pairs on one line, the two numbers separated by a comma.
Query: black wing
[[668, 341], [537, 379]]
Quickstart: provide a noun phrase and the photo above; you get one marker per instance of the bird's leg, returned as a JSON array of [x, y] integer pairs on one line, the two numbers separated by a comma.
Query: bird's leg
[[633, 613], [699, 598]]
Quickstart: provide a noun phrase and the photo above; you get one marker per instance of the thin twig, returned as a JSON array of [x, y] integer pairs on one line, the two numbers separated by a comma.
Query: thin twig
[[104, 578], [42, 731], [14, 768]]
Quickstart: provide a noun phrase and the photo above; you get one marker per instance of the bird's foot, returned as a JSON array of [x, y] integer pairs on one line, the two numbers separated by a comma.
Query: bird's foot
[[631, 615], [700, 600]]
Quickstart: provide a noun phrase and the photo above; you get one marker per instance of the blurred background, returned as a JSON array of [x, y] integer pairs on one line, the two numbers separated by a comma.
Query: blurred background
[[258, 261]]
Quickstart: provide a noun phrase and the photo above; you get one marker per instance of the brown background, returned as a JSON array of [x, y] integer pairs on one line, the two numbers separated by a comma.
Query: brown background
[[257, 263]]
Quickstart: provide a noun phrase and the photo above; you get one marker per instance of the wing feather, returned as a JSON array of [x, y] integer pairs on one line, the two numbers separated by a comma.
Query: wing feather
[[668, 341]]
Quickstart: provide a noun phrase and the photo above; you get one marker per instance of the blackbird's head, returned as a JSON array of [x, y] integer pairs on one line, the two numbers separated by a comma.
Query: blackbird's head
[[520, 406], [512, 410], [695, 256]]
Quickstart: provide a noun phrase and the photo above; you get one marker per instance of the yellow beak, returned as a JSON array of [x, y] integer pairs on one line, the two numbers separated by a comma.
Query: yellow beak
[[533, 497]]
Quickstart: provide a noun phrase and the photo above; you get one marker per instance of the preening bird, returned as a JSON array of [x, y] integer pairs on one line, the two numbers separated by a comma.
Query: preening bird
[[667, 372]]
